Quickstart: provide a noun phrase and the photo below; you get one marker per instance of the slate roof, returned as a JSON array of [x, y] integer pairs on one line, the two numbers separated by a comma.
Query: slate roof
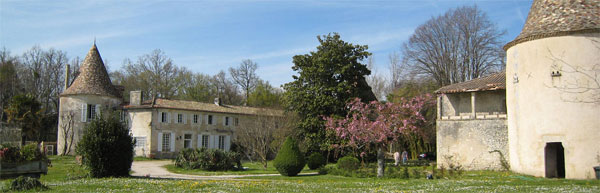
[[93, 78], [550, 18], [207, 107], [496, 81]]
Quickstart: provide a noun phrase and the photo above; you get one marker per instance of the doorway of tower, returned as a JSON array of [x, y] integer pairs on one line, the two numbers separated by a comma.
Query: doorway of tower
[[554, 155]]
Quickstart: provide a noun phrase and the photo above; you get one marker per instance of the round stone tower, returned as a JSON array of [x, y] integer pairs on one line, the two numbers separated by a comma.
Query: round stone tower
[[553, 90], [91, 94]]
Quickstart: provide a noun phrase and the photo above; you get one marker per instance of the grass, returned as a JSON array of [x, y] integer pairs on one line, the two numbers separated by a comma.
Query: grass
[[252, 168], [59, 179]]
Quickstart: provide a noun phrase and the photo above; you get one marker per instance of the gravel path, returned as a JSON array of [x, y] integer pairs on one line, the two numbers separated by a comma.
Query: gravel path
[[155, 169]]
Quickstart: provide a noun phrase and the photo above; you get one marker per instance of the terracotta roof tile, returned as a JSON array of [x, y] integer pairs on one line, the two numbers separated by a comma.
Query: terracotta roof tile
[[92, 78], [496, 81], [549, 18], [209, 107]]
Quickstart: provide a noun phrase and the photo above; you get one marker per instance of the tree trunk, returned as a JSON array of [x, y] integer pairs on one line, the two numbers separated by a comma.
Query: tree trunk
[[380, 162]]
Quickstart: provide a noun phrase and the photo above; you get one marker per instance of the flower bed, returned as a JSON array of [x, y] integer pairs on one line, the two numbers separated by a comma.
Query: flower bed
[[15, 161]]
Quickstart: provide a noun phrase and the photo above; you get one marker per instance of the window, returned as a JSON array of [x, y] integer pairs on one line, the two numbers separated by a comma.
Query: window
[[164, 117], [226, 121], [166, 142], [179, 118], [196, 118], [123, 116], [187, 141], [91, 112], [140, 142], [221, 142], [205, 141], [210, 120], [236, 121]]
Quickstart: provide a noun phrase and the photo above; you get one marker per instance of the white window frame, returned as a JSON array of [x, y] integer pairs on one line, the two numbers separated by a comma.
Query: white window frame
[[190, 140], [221, 142], [196, 119], [204, 139], [140, 141], [170, 142], [210, 120], [180, 118]]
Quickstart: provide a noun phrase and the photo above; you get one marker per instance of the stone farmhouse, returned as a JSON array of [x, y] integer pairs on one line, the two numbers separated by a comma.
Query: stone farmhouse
[[161, 127], [552, 99]]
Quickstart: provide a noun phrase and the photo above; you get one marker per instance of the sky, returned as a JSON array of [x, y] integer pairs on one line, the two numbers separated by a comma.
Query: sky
[[210, 36]]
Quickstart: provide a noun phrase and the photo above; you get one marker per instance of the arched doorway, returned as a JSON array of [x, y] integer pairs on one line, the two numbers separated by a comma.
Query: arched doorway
[[554, 156]]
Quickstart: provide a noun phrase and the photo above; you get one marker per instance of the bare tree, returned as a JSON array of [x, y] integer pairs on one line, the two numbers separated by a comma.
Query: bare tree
[[225, 89], [153, 73], [245, 76], [396, 69], [376, 80], [460, 45], [67, 131], [43, 75], [259, 135]]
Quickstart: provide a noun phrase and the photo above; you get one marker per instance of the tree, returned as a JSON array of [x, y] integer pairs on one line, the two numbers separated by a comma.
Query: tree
[[225, 89], [245, 76], [460, 45], [375, 125], [290, 160], [9, 86], [264, 95], [259, 134], [376, 81], [67, 131], [106, 147], [26, 111], [153, 73], [328, 78], [43, 75]]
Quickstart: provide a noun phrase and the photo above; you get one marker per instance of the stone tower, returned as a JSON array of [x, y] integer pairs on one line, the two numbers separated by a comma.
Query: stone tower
[[552, 90], [90, 94]]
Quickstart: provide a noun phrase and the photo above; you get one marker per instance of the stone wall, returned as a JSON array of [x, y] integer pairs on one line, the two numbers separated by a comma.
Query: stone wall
[[10, 134], [470, 143]]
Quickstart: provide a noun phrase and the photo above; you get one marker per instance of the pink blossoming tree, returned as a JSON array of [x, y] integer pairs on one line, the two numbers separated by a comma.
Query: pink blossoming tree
[[376, 125]]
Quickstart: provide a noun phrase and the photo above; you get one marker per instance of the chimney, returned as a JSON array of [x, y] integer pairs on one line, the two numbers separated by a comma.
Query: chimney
[[135, 98], [67, 75], [218, 101]]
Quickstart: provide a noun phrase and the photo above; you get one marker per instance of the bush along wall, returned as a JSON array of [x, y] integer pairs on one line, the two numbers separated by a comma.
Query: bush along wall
[[289, 161], [207, 159]]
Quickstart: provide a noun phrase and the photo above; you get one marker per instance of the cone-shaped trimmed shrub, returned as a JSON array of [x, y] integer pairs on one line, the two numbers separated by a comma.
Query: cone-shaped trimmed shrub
[[315, 161], [289, 160]]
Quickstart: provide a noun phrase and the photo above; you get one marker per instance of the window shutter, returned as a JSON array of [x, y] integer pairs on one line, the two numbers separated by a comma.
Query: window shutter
[[83, 112], [224, 118], [199, 118], [211, 141], [160, 137], [184, 119], [206, 119], [172, 141], [227, 142], [98, 106], [168, 117]]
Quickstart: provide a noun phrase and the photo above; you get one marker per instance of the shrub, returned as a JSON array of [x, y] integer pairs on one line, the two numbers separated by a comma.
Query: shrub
[[315, 160], [348, 163], [106, 148], [10, 154], [289, 161], [32, 153], [206, 159], [26, 183]]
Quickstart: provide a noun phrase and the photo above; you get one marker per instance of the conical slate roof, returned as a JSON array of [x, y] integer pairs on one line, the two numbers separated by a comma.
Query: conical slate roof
[[549, 18], [92, 78]]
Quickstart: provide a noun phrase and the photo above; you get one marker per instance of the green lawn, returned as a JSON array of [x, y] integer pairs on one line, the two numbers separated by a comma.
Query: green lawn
[[60, 179], [252, 168]]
